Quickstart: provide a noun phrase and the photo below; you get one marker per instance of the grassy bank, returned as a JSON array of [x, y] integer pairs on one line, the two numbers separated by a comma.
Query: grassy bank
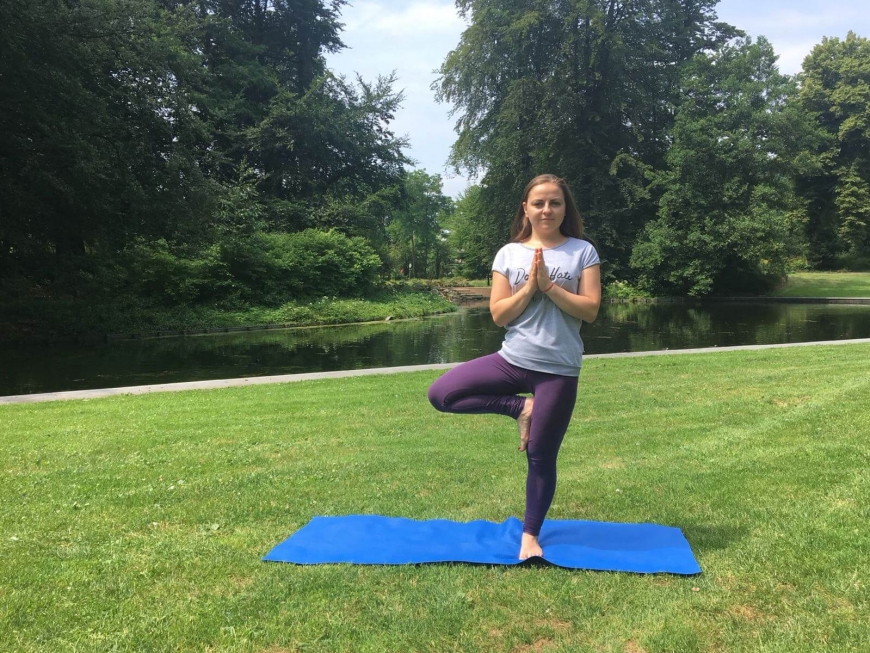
[[825, 284], [799, 284], [137, 523], [23, 320]]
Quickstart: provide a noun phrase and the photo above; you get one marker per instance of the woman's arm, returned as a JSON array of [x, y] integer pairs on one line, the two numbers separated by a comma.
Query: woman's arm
[[506, 307], [585, 304]]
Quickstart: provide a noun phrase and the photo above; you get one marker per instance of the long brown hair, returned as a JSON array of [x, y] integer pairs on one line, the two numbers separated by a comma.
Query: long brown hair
[[571, 226]]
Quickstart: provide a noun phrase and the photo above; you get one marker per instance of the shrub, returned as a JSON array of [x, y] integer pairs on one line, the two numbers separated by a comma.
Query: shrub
[[271, 268], [260, 269], [158, 273], [622, 290]]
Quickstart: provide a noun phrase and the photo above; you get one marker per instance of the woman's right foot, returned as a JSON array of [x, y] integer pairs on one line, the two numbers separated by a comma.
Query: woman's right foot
[[524, 423]]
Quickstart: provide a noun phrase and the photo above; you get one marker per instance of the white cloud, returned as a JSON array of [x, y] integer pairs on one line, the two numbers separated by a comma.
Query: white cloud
[[794, 27], [417, 18], [811, 19], [413, 39], [791, 57]]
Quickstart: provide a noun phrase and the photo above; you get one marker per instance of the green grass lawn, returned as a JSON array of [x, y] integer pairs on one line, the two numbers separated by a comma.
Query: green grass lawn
[[825, 284], [137, 523]]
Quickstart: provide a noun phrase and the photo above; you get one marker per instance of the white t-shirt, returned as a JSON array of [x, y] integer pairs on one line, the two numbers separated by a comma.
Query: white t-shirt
[[544, 338]]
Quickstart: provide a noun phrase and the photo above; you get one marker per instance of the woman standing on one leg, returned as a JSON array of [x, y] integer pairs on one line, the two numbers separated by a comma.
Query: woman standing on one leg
[[545, 282]]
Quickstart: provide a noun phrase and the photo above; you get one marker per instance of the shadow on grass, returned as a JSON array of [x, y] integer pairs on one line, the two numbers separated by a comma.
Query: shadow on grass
[[706, 537]]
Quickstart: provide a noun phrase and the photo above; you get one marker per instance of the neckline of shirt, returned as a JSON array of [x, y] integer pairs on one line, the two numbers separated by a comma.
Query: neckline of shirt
[[547, 249]]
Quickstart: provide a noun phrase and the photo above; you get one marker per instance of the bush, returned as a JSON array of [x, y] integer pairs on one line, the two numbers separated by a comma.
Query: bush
[[271, 268], [622, 290], [156, 272], [853, 262], [262, 269]]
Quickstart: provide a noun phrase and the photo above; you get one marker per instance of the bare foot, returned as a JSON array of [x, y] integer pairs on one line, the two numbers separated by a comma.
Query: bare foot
[[529, 547], [524, 422]]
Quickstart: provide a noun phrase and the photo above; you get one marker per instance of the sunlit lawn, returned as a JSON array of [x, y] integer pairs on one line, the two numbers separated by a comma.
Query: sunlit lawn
[[825, 284], [137, 523]]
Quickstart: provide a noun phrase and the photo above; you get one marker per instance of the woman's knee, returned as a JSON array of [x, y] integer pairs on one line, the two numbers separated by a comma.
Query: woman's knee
[[437, 395], [542, 455]]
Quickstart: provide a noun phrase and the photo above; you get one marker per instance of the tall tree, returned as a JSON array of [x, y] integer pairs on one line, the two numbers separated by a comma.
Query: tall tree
[[321, 145], [94, 128], [581, 88], [182, 120], [728, 197], [835, 91], [471, 238], [328, 157], [416, 229]]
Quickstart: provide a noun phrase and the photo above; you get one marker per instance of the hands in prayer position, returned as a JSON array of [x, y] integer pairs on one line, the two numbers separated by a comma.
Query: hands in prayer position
[[539, 277]]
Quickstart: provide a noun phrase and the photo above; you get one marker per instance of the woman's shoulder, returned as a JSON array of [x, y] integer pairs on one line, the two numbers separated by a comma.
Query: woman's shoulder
[[508, 257], [582, 252], [511, 249], [578, 245], [513, 245]]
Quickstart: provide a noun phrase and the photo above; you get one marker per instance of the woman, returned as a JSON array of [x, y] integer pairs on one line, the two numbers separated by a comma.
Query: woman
[[545, 282]]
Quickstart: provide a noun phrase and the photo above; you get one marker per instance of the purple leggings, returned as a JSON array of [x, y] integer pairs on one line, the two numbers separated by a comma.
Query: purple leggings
[[489, 385]]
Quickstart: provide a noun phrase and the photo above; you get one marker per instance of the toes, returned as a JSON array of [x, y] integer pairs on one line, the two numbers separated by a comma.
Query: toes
[[535, 553]]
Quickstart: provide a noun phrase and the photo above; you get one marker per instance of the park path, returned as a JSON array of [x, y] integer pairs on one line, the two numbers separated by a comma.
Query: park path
[[289, 378]]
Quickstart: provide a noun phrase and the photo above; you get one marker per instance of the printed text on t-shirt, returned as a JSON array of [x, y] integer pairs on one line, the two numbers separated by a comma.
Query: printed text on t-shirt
[[555, 275]]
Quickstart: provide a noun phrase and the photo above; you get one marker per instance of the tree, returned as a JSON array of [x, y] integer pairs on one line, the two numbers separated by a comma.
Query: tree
[[181, 122], [94, 133], [835, 91], [320, 145], [723, 225], [329, 153], [581, 88], [471, 238], [415, 230]]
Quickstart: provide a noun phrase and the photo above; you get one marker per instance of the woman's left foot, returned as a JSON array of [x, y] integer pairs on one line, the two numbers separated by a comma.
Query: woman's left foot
[[529, 547]]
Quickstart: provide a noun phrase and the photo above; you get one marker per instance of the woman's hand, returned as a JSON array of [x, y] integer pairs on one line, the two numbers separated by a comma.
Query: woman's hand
[[539, 268], [505, 305], [531, 285]]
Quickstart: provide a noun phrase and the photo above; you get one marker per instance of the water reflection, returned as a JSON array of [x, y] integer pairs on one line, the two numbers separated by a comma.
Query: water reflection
[[646, 327], [457, 337]]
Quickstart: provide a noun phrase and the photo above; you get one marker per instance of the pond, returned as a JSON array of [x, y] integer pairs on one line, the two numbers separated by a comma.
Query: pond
[[439, 339]]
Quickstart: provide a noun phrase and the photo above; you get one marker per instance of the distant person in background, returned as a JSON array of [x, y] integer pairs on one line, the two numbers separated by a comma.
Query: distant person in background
[[545, 283]]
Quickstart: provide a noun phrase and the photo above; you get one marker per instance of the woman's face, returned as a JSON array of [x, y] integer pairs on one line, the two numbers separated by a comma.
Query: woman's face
[[545, 209]]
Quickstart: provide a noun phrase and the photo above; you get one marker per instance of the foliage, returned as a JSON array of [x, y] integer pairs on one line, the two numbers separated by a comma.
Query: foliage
[[472, 237], [259, 268], [835, 92], [328, 157], [274, 267], [95, 127], [263, 268], [727, 193], [158, 273], [415, 229], [580, 88], [622, 290], [148, 145], [180, 124], [29, 320]]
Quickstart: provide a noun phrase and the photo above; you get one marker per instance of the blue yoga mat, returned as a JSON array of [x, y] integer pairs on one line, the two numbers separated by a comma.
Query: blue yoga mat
[[377, 540]]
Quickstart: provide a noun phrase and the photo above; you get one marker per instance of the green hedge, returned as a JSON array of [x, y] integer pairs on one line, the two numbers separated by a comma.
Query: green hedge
[[262, 269]]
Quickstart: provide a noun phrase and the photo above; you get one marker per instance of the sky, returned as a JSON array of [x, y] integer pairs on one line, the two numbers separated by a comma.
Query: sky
[[412, 38]]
